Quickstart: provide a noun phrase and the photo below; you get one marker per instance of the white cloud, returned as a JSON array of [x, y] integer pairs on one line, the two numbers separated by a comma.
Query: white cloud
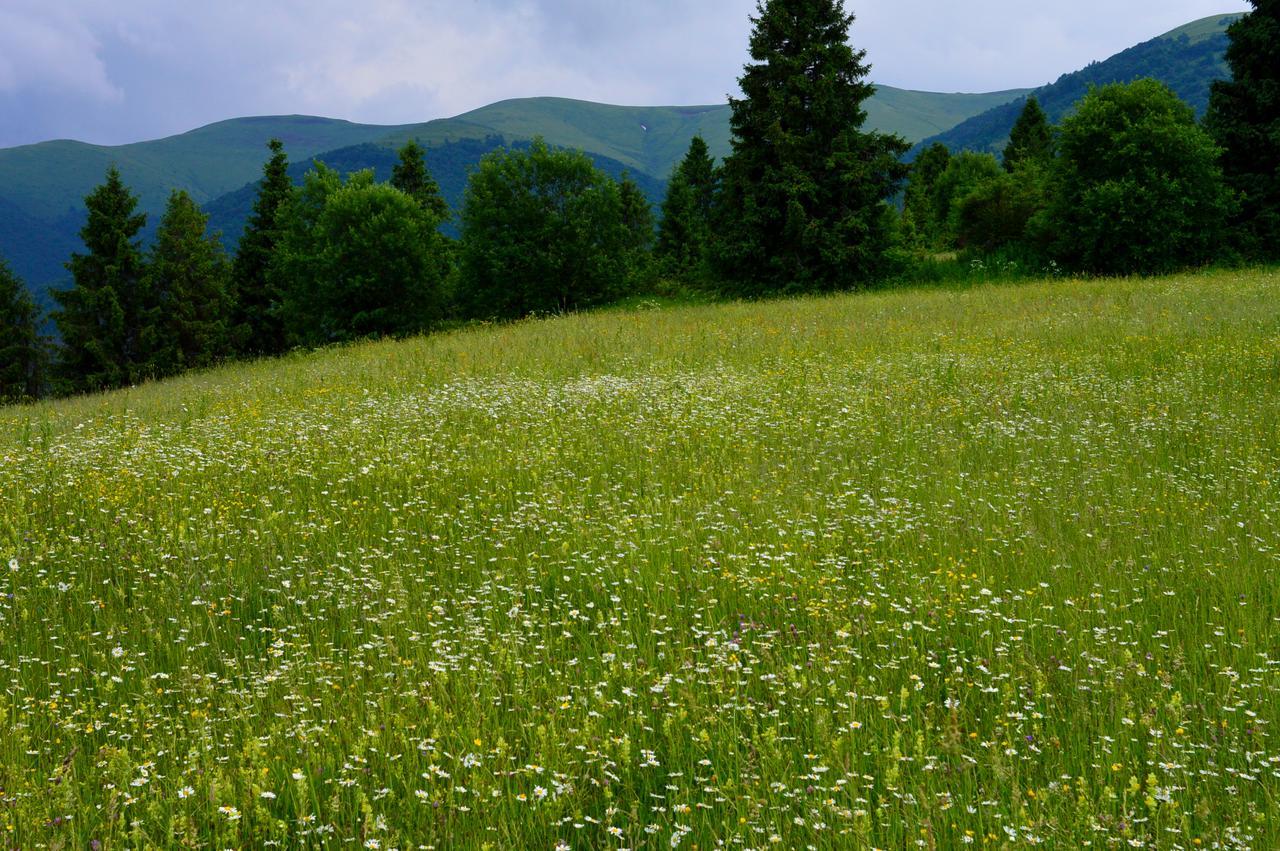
[[48, 49]]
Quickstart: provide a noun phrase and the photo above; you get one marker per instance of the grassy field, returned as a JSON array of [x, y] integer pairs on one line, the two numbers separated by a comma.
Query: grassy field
[[917, 569]]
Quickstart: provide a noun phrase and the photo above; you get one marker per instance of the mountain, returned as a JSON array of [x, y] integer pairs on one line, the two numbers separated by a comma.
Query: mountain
[[42, 186], [1187, 59]]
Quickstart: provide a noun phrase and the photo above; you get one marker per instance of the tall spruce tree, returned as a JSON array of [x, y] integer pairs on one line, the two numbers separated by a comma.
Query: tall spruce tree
[[1244, 119], [188, 277], [1031, 140], [410, 176], [103, 317], [686, 212], [257, 326], [22, 349], [801, 205]]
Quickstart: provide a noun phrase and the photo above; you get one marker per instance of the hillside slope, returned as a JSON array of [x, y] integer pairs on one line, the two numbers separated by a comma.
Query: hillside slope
[[1187, 59], [667, 578]]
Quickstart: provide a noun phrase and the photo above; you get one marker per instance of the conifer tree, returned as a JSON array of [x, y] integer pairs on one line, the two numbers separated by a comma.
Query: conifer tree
[[1244, 119], [188, 281], [22, 349], [637, 218], [1031, 140], [918, 205], [257, 326], [801, 204], [103, 317], [410, 176], [686, 211]]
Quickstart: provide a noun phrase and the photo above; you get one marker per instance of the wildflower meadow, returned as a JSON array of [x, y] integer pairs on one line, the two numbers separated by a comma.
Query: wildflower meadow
[[938, 568]]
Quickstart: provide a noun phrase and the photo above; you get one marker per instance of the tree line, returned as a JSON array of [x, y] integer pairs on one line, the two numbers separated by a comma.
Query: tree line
[[807, 201]]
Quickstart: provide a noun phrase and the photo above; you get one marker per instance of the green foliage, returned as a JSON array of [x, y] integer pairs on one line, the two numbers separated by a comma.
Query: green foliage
[[103, 318], [22, 350], [965, 172], [358, 260], [1244, 118], [411, 177], [188, 282], [542, 232], [685, 230], [996, 213], [637, 218], [1031, 140], [257, 327], [919, 216], [799, 209], [1137, 187]]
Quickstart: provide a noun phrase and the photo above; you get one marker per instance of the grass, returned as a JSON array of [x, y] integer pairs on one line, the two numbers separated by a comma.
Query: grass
[[926, 568]]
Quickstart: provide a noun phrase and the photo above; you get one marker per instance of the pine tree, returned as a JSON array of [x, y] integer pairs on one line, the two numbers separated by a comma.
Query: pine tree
[[257, 325], [411, 177], [188, 281], [103, 317], [22, 349], [1244, 119], [637, 218], [686, 212], [1031, 140], [918, 205], [801, 205]]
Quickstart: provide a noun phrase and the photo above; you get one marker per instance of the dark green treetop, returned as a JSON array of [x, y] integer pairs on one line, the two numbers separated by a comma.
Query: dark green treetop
[[188, 280], [410, 176], [257, 327], [801, 202], [1244, 118], [103, 317], [686, 211], [1031, 140]]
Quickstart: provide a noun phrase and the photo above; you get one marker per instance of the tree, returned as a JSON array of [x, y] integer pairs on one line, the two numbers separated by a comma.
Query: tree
[[257, 327], [187, 280], [410, 176], [997, 213], [358, 260], [542, 232], [1136, 187], [965, 172], [1244, 118], [918, 209], [637, 218], [102, 318], [22, 349], [1031, 140], [685, 229], [801, 205]]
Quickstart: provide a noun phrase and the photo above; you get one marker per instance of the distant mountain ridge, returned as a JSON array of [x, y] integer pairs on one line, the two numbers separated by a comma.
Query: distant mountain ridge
[[1187, 59]]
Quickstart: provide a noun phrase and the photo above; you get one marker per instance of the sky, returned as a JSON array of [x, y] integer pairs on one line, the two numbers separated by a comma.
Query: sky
[[117, 71]]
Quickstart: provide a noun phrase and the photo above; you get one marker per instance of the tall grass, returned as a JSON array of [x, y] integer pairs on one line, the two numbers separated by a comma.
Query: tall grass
[[993, 567]]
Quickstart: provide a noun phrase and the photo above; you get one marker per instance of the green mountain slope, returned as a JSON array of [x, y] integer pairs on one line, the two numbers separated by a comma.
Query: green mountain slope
[[1187, 59]]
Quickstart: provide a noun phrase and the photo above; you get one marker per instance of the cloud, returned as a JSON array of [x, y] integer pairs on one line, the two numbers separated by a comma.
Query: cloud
[[121, 70], [49, 50]]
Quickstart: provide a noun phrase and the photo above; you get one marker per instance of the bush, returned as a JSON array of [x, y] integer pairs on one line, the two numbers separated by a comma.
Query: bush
[[1137, 187], [542, 232]]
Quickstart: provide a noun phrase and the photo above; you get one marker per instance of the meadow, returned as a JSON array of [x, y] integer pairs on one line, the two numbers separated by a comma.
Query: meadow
[[935, 568]]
